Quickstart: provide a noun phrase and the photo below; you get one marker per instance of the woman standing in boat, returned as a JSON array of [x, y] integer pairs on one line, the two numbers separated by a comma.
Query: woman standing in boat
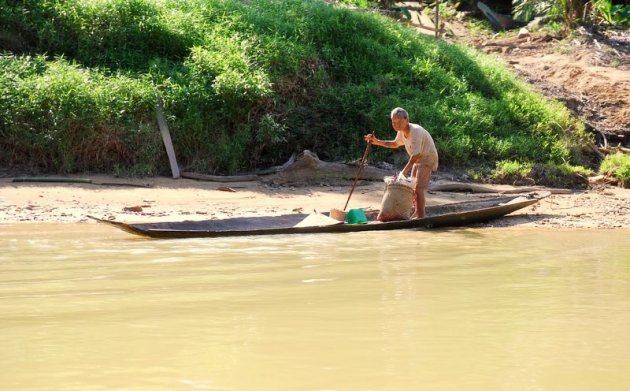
[[423, 157]]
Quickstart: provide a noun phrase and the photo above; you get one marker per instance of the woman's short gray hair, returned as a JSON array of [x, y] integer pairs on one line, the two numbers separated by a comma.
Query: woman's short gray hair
[[400, 113]]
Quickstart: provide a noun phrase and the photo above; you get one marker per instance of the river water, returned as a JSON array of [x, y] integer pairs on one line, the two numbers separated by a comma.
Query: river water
[[86, 307]]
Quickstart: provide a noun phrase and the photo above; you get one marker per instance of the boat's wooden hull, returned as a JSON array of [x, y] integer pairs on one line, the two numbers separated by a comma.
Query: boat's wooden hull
[[450, 215]]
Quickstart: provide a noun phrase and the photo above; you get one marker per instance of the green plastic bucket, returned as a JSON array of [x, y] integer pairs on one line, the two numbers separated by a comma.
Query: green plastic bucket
[[356, 216]]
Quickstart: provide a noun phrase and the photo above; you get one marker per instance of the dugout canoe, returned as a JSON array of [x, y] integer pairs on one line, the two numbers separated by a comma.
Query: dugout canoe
[[447, 215]]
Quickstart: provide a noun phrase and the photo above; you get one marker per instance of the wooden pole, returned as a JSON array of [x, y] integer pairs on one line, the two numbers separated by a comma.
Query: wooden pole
[[166, 136], [359, 169], [437, 18]]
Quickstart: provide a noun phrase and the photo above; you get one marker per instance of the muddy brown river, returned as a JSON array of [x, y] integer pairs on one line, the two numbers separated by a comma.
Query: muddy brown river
[[86, 307]]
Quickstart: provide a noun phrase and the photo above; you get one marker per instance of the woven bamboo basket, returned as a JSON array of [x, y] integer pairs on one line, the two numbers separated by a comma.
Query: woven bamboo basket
[[397, 202]]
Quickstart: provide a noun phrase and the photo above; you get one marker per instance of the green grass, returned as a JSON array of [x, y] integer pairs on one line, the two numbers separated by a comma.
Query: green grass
[[246, 84], [512, 172], [618, 166], [540, 174]]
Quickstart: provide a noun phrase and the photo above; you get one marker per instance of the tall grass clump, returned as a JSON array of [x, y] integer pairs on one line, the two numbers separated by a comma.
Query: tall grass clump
[[617, 166], [57, 116], [545, 174], [246, 84]]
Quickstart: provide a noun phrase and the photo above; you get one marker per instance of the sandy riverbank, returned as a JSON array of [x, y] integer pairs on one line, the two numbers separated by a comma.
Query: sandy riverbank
[[184, 199]]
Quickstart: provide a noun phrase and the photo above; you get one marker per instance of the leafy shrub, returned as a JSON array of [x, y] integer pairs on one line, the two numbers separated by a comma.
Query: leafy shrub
[[612, 14], [617, 165]]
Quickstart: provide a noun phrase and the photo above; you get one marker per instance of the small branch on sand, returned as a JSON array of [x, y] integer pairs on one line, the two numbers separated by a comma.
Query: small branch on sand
[[611, 150], [597, 152]]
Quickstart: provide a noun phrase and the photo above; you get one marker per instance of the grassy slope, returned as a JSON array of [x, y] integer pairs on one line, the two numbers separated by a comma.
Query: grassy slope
[[248, 83]]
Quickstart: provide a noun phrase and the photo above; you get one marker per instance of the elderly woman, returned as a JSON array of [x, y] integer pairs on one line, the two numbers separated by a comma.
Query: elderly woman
[[423, 157]]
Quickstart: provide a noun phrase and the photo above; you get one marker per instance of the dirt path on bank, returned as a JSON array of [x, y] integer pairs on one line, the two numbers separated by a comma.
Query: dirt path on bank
[[589, 71], [590, 74]]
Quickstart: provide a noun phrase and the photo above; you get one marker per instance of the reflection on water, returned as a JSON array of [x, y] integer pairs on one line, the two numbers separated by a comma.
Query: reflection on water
[[84, 307]]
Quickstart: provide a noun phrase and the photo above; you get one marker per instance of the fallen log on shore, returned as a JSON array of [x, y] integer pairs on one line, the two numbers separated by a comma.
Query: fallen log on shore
[[308, 169], [219, 178], [304, 168], [475, 188]]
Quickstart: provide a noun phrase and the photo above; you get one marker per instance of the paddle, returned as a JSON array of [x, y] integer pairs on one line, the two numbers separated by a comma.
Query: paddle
[[359, 169]]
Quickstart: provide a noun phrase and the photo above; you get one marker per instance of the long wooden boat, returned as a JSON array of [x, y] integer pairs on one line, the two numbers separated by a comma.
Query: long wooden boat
[[448, 215]]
